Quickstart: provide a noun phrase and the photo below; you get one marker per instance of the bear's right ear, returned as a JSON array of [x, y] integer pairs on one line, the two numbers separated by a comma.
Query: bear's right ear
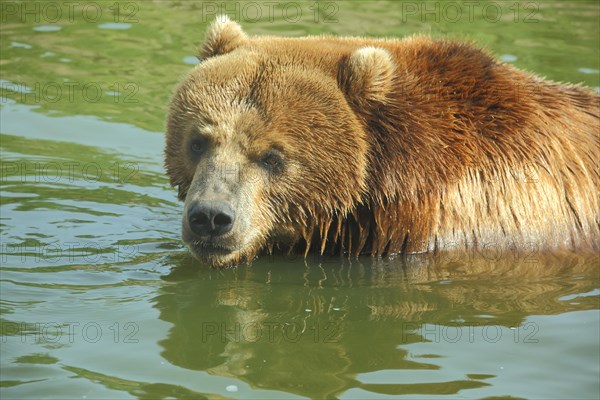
[[222, 36], [366, 76]]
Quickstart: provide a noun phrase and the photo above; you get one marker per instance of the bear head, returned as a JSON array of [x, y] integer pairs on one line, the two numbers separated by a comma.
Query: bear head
[[264, 142]]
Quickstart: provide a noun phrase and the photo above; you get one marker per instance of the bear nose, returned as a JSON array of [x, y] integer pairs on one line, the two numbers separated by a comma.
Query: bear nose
[[210, 218]]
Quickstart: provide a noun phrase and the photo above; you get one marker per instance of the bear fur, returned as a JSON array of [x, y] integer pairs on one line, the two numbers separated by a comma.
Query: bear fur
[[384, 147]]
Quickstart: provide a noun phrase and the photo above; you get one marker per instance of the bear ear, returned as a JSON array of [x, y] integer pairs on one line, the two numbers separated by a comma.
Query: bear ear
[[222, 36], [366, 75]]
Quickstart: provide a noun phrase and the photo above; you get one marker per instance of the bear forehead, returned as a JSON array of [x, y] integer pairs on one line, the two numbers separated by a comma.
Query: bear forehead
[[244, 72], [243, 128], [251, 90]]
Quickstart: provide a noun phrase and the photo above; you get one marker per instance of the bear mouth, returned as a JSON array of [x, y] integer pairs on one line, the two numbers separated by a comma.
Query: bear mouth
[[204, 247], [216, 255], [219, 251], [210, 247]]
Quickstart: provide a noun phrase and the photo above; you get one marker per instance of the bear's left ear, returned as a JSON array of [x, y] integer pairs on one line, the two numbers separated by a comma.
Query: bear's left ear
[[366, 75], [222, 36]]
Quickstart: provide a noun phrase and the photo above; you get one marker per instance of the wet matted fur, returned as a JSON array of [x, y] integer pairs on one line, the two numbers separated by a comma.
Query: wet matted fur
[[381, 147]]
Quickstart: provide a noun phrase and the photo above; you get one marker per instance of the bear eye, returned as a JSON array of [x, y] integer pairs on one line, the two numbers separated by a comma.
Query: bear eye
[[198, 145], [272, 160]]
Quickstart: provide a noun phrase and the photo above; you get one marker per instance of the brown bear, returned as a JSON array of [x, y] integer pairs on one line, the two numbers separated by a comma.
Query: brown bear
[[385, 147]]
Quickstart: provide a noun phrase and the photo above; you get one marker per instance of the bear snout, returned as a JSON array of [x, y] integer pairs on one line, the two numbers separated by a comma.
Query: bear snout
[[210, 218]]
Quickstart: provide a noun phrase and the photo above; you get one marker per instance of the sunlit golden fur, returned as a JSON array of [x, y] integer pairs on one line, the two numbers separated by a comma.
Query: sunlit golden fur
[[389, 146]]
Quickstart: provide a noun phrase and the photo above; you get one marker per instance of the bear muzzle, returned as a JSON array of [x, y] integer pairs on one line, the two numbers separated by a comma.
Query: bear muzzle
[[208, 218]]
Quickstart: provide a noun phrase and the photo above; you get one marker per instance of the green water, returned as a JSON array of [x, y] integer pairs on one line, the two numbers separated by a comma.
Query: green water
[[99, 299]]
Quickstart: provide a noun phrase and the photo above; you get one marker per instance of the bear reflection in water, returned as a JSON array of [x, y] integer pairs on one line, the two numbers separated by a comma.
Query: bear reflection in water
[[383, 147], [310, 328]]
